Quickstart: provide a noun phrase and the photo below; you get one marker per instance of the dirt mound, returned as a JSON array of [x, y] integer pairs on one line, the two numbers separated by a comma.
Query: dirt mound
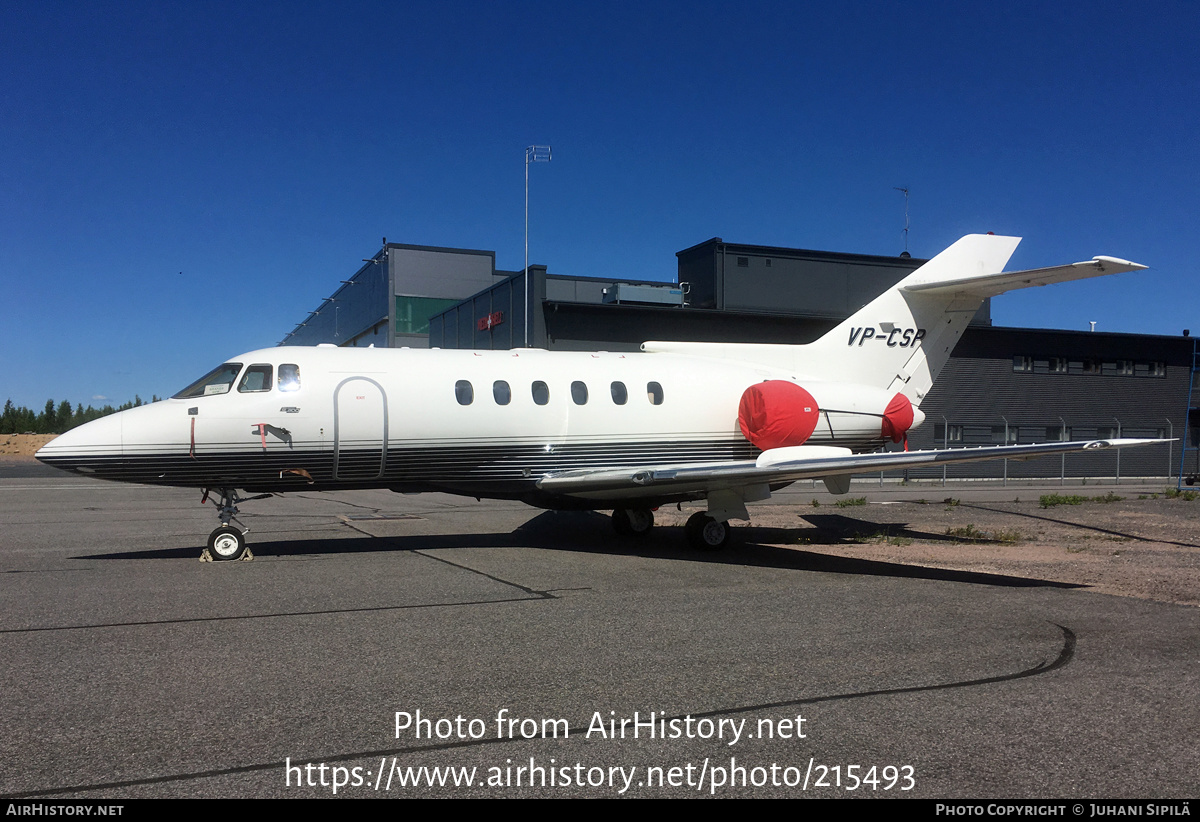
[[22, 445]]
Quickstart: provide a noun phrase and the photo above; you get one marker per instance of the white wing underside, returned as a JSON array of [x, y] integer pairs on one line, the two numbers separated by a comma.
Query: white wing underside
[[784, 465]]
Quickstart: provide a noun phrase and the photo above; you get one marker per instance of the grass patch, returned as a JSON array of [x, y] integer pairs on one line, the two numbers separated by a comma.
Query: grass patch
[[1175, 493], [849, 503], [970, 533], [1051, 500]]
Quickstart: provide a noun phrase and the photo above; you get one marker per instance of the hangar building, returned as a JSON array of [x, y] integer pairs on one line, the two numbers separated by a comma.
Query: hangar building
[[1015, 385]]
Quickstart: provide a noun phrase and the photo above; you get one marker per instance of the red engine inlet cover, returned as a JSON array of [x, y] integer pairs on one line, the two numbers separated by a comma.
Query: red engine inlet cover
[[776, 414], [897, 418]]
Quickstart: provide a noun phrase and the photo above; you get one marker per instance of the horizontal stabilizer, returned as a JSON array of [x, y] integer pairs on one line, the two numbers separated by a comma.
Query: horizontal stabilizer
[[990, 285]]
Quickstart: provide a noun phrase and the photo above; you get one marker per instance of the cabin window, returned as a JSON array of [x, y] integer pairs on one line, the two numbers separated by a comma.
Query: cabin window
[[256, 379], [289, 377], [463, 392], [217, 381], [579, 392], [501, 392], [541, 393], [619, 394], [654, 393]]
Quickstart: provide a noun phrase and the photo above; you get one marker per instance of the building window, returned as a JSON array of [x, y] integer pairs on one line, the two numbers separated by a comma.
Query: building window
[[541, 393], [579, 392], [1058, 433], [654, 392], [413, 313], [998, 433], [743, 262], [944, 436], [1023, 364], [1058, 365], [501, 392], [464, 393], [619, 394]]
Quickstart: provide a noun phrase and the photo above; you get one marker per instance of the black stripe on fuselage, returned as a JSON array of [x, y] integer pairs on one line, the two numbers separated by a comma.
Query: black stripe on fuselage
[[502, 471]]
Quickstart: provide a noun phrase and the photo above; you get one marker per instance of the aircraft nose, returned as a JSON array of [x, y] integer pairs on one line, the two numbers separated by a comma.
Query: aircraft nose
[[82, 448]]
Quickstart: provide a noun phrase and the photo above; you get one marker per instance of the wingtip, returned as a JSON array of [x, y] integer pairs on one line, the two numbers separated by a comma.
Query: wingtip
[[1132, 266]]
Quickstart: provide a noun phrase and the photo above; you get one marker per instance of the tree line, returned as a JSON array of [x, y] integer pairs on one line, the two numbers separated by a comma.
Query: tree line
[[56, 419]]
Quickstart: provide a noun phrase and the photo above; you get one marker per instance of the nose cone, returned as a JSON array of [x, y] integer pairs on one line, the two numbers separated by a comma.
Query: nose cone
[[918, 416], [87, 447]]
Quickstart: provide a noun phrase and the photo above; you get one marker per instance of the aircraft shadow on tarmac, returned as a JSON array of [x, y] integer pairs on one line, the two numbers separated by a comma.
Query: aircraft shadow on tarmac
[[589, 533]]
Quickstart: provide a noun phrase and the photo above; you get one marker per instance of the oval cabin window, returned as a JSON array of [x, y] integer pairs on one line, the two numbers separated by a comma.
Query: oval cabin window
[[463, 392], [619, 394], [501, 392], [541, 393], [579, 392], [654, 392]]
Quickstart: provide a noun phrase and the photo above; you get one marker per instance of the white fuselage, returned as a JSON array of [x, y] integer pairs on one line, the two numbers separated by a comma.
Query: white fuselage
[[483, 423]]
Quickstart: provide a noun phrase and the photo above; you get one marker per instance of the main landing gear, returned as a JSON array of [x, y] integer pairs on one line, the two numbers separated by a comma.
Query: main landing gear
[[227, 542], [704, 532], [633, 522]]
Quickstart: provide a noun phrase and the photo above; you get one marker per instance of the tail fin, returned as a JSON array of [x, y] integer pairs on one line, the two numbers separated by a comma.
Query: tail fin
[[901, 339]]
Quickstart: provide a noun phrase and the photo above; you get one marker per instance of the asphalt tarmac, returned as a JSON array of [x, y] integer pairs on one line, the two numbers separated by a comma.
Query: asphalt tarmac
[[386, 645]]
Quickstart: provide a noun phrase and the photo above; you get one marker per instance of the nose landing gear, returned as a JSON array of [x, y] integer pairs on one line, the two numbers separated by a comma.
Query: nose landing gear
[[227, 542]]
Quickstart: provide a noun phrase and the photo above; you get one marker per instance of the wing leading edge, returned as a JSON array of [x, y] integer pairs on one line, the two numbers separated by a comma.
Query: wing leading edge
[[784, 465]]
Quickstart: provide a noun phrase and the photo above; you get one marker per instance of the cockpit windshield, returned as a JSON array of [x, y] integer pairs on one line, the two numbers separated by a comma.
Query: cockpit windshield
[[217, 381]]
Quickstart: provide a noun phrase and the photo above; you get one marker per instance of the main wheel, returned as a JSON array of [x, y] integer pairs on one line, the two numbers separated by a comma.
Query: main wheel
[[632, 522], [705, 533], [226, 543]]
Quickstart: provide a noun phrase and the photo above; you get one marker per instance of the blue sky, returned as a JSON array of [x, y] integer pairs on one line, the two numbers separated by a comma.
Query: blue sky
[[185, 181]]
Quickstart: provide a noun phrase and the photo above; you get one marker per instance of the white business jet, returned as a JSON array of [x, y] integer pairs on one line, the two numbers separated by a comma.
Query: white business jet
[[726, 423]]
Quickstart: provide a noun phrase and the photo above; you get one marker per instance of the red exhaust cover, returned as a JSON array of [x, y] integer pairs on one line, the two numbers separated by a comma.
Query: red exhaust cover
[[776, 414], [897, 418]]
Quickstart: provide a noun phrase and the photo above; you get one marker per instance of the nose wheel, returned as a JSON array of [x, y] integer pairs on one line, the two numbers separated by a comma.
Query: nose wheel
[[227, 542]]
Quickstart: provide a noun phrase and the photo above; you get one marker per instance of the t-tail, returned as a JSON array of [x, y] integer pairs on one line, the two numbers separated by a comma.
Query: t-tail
[[901, 340]]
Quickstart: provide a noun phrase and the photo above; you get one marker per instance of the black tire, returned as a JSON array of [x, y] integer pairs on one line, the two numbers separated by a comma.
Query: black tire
[[226, 544], [632, 522], [705, 533]]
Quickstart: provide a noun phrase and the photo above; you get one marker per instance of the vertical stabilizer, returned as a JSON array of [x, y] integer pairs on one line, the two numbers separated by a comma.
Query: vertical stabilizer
[[901, 339]]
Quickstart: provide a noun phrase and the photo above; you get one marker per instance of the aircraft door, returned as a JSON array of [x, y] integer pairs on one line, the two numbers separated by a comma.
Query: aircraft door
[[360, 426]]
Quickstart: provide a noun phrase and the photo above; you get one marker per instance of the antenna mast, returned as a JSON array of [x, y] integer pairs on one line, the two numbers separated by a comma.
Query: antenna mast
[[905, 192]]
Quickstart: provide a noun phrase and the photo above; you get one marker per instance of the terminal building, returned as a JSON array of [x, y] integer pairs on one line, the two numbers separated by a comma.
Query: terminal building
[[1014, 385]]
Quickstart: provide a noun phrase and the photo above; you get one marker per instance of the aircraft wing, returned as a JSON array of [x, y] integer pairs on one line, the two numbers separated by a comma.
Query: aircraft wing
[[784, 465]]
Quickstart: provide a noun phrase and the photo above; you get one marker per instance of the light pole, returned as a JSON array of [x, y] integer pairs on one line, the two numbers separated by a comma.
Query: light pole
[[533, 154]]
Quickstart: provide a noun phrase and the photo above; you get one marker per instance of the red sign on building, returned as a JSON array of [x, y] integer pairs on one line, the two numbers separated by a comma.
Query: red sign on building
[[490, 321]]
